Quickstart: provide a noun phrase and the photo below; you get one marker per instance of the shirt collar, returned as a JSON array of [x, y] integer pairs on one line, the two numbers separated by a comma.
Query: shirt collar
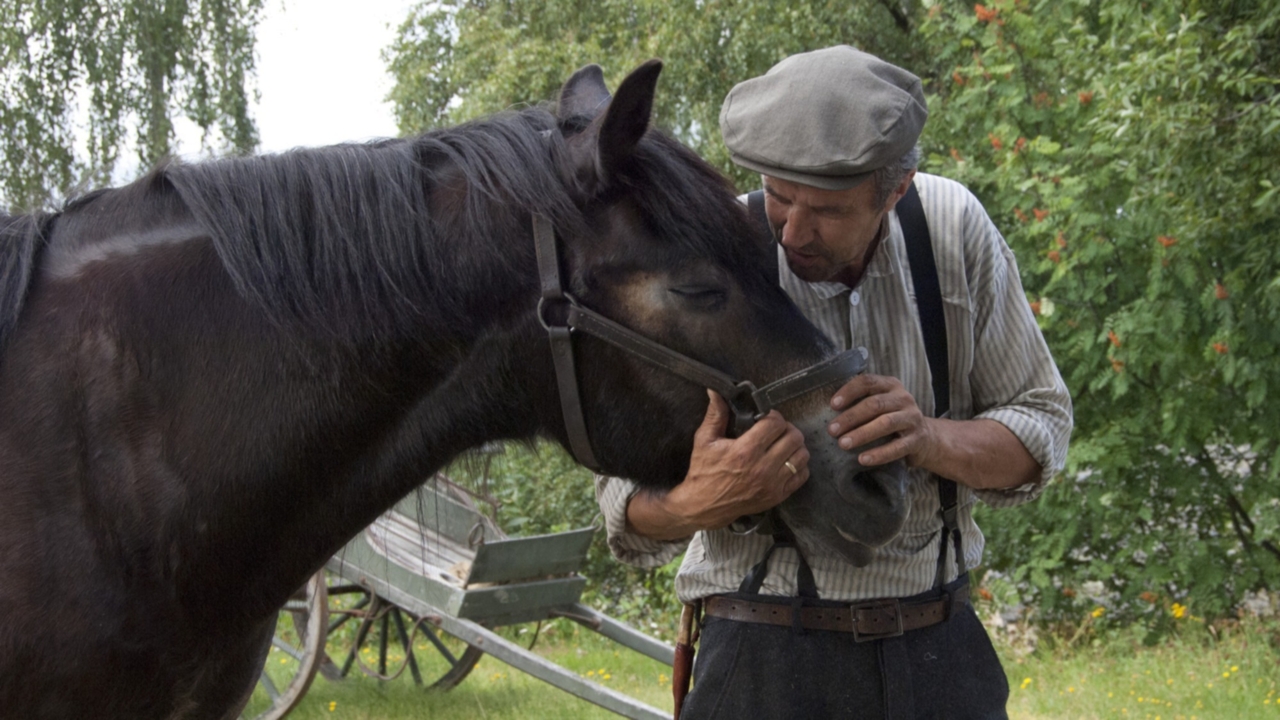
[[881, 263]]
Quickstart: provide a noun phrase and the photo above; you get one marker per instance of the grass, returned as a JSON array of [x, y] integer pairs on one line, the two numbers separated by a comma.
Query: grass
[[1231, 674], [495, 691]]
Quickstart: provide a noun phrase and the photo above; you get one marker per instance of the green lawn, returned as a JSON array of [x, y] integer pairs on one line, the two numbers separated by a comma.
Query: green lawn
[[1193, 675], [495, 691], [1190, 676]]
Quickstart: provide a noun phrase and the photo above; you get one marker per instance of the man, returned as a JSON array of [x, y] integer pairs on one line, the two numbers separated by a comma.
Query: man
[[833, 134]]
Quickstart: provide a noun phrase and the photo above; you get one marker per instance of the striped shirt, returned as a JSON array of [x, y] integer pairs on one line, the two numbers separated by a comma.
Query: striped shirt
[[1000, 369]]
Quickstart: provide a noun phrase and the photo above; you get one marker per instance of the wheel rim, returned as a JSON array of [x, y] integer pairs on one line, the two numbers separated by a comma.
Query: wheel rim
[[297, 651]]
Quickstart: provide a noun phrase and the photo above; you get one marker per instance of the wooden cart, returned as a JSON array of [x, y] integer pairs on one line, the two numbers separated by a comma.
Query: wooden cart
[[449, 579]]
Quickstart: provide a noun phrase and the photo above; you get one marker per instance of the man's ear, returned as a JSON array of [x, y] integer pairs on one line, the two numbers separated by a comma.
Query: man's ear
[[899, 191]]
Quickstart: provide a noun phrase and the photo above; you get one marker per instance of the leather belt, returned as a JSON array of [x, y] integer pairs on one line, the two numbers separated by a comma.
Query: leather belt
[[867, 620]]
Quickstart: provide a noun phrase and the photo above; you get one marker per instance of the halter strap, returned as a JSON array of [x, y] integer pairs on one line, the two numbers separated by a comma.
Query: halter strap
[[544, 243]]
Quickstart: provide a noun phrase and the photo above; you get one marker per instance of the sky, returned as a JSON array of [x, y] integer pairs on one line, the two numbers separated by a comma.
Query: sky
[[321, 76]]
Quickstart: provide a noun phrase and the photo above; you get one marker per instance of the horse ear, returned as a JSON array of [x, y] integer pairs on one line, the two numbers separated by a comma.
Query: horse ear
[[627, 118], [584, 94]]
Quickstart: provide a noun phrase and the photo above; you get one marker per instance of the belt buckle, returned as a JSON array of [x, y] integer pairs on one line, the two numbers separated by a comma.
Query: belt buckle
[[890, 604]]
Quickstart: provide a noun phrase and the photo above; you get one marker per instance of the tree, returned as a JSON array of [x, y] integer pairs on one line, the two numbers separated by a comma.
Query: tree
[[456, 60], [79, 74], [1127, 150]]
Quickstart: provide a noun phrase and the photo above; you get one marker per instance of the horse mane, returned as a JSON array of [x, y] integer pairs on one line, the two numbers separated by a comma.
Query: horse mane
[[346, 230], [22, 239]]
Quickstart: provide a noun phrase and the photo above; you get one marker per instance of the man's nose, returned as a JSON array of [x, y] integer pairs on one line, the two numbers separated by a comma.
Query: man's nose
[[797, 231]]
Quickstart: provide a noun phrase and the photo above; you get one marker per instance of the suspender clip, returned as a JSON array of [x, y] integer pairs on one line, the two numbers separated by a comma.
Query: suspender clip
[[951, 517]]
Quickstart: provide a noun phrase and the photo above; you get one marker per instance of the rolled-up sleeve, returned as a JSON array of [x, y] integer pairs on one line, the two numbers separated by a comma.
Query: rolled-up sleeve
[[613, 494], [1014, 378]]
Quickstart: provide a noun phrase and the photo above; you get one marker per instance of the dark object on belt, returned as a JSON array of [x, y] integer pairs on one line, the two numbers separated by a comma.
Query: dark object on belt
[[867, 620]]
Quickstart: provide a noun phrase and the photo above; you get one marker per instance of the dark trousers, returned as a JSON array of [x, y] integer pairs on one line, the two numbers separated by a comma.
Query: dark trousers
[[750, 670]]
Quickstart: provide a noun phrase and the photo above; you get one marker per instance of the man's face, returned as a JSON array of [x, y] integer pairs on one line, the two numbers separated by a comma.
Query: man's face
[[826, 233]]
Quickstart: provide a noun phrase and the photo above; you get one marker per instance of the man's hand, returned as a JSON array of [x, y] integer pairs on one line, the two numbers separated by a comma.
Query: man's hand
[[727, 478], [875, 407], [980, 453]]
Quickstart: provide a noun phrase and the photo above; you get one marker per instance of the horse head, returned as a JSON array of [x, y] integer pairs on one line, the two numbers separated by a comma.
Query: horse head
[[668, 252]]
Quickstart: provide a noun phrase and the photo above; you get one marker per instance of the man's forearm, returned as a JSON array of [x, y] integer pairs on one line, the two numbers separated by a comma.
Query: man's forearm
[[649, 515], [981, 453]]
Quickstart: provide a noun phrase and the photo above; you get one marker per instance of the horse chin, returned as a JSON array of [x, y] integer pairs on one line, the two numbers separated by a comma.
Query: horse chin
[[844, 507]]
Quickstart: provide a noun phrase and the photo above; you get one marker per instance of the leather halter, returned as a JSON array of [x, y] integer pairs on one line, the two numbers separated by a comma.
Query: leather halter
[[748, 402]]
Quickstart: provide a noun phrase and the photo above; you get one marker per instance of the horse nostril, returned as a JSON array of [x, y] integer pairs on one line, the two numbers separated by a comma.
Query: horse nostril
[[865, 487]]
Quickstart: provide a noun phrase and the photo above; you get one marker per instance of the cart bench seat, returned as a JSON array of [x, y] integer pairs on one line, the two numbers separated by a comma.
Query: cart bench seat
[[458, 562]]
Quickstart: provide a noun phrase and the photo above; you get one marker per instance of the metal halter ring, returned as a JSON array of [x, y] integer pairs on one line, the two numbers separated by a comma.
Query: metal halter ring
[[543, 304]]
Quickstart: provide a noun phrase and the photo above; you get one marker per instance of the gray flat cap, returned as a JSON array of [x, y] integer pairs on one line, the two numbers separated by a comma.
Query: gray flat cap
[[826, 118]]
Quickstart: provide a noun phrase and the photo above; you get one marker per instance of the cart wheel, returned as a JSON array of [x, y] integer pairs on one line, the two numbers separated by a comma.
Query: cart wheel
[[297, 650], [383, 640]]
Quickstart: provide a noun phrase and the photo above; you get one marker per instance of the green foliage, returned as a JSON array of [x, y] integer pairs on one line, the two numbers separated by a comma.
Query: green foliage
[[457, 60], [1128, 151], [78, 74]]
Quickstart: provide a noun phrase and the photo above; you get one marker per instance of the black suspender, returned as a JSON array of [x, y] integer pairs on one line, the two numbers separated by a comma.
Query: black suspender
[[755, 207], [924, 276]]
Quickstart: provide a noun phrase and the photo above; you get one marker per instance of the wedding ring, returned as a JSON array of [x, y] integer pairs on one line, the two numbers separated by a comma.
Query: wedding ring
[[791, 467]]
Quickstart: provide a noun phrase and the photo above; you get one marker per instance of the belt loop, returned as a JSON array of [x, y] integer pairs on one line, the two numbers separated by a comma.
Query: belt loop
[[797, 622]]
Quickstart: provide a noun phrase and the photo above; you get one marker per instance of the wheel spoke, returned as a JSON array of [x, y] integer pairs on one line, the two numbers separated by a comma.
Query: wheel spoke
[[269, 686], [291, 650], [382, 645], [361, 634], [381, 627], [408, 647], [435, 640]]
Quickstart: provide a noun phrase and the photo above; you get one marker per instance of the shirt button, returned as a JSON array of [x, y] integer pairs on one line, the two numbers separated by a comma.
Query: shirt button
[[854, 297]]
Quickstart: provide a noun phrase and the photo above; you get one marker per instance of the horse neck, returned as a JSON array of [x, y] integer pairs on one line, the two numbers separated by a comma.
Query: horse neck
[[404, 408], [257, 448]]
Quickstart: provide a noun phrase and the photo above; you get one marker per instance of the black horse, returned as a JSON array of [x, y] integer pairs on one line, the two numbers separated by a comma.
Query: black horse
[[214, 377]]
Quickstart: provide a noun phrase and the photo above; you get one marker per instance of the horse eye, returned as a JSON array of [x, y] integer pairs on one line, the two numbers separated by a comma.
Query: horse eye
[[700, 296]]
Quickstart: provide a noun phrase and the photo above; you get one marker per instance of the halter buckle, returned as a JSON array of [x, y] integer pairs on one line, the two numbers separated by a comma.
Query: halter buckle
[[746, 411]]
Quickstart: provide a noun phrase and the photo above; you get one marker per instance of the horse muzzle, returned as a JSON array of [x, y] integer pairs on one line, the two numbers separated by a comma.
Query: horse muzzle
[[845, 507]]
